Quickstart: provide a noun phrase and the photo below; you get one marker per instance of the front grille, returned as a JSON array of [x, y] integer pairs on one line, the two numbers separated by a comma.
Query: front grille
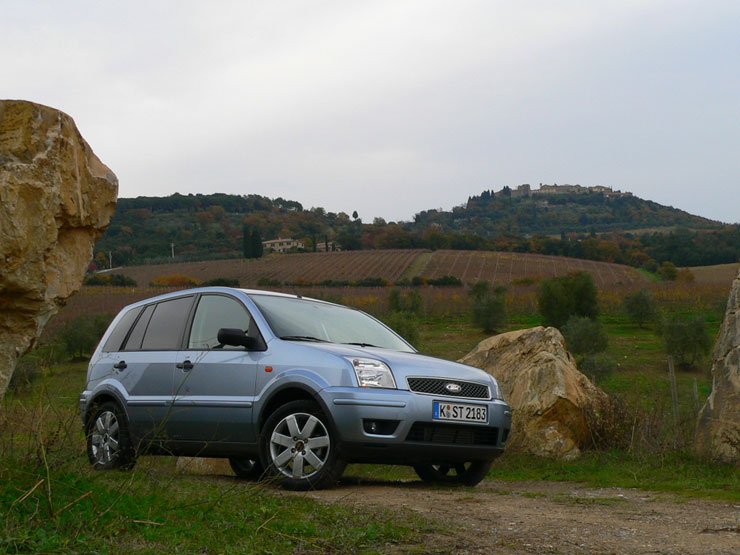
[[436, 386], [452, 434]]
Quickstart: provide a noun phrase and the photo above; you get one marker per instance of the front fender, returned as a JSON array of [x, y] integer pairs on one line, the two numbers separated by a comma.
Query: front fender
[[306, 380]]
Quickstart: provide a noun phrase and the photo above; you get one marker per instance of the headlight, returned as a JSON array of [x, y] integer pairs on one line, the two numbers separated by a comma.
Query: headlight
[[495, 389], [372, 373]]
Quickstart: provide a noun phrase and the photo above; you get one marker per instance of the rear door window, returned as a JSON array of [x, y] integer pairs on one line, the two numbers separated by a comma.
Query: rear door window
[[166, 326], [115, 339]]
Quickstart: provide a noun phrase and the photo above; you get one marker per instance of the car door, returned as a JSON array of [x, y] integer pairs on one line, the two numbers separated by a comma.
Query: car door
[[214, 384], [146, 364]]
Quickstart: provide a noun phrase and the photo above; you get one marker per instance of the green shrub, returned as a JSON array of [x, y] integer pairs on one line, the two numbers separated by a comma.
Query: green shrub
[[445, 281], [268, 282], [668, 271], [489, 307], [25, 373], [572, 295], [113, 280], [598, 366], [404, 324], [640, 307], [585, 336], [220, 282], [80, 336], [687, 340], [405, 302], [371, 282]]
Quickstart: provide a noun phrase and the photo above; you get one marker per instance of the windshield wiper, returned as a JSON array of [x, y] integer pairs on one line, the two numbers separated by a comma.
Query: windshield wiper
[[363, 345], [303, 338]]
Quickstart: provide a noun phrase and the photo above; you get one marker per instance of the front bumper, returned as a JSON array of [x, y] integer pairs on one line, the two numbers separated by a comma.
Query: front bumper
[[407, 433]]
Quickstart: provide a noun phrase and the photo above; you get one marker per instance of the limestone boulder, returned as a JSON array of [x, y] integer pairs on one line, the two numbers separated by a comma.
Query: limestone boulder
[[56, 198], [718, 428], [551, 400], [204, 466]]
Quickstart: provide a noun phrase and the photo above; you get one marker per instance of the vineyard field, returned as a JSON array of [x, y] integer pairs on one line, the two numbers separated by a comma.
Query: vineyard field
[[500, 268], [505, 268]]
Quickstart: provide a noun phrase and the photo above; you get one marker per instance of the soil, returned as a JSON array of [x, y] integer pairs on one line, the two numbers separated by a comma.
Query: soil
[[549, 517]]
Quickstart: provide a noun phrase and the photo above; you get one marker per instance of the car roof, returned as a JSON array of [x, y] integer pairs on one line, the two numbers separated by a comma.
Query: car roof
[[219, 289]]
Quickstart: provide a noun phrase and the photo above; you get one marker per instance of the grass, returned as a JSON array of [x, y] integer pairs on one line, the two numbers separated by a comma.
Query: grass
[[51, 501], [673, 472]]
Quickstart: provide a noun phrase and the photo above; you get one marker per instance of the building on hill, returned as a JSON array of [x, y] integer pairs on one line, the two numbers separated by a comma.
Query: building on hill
[[524, 190], [556, 189], [322, 245], [282, 245]]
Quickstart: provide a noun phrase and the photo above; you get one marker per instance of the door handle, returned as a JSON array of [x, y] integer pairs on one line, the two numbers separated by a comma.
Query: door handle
[[121, 365], [185, 365]]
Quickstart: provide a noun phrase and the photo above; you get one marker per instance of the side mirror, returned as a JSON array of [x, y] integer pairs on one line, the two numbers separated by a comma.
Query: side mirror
[[235, 337]]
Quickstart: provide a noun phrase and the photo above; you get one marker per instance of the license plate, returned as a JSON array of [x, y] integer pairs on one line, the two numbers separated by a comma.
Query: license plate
[[459, 413]]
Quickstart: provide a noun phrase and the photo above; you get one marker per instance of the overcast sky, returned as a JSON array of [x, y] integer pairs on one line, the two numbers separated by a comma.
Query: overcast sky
[[392, 107]]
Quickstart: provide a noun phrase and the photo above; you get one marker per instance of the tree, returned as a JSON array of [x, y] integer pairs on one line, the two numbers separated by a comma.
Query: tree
[[585, 336], [572, 295], [256, 241], [668, 271], [251, 242], [686, 340], [640, 307], [489, 306], [246, 242]]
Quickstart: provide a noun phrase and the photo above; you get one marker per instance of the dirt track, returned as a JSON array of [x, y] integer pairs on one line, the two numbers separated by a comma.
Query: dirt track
[[551, 517]]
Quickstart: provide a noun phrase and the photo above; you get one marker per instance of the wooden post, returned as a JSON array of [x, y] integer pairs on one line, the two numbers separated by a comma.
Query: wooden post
[[697, 406], [674, 399]]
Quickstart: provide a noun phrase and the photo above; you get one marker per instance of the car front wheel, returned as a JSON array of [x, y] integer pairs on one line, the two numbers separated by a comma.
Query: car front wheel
[[467, 474], [299, 447]]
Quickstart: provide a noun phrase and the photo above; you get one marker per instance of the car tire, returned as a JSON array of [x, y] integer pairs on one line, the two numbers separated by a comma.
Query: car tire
[[467, 474], [299, 447], [108, 440], [247, 469]]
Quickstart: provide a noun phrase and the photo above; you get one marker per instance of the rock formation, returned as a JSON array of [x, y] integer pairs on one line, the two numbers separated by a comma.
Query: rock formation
[[551, 399], [718, 429], [202, 465], [56, 198]]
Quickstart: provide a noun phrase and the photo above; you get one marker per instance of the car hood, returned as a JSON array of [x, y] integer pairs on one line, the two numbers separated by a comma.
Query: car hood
[[405, 365]]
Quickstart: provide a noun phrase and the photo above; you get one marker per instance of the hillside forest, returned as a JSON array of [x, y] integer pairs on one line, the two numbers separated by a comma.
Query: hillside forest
[[626, 230]]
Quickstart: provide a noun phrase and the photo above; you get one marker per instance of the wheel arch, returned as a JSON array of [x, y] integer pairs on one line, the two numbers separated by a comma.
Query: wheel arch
[[286, 394], [101, 397]]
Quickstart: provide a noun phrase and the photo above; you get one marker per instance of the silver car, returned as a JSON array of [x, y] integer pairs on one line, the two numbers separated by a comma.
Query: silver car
[[284, 386]]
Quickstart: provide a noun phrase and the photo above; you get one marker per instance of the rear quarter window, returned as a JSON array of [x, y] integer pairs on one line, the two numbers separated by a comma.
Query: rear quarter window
[[117, 336]]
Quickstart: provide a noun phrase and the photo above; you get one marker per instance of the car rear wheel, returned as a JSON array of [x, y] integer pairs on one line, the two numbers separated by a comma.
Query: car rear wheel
[[108, 441], [467, 474], [247, 469], [299, 447]]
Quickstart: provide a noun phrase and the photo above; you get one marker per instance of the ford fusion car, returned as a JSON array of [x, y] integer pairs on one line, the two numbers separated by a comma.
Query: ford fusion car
[[284, 386]]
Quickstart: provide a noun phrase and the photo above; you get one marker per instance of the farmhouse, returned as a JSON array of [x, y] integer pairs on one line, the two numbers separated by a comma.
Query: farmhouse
[[282, 245]]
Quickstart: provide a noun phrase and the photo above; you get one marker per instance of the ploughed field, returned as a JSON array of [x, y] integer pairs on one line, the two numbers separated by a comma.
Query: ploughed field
[[500, 268]]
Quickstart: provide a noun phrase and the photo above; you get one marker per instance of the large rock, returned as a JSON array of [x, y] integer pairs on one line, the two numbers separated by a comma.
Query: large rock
[[718, 428], [551, 399], [56, 198]]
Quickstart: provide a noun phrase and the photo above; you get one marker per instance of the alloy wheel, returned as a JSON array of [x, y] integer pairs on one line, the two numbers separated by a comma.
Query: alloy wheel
[[299, 445]]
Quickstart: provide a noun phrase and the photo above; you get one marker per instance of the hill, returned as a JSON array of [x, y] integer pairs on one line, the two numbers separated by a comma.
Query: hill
[[552, 210], [594, 226]]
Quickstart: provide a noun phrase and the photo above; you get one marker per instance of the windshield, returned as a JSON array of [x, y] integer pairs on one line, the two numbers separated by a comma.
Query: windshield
[[305, 320]]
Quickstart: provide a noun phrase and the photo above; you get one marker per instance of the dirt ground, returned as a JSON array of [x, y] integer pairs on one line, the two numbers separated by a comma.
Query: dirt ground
[[550, 517]]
